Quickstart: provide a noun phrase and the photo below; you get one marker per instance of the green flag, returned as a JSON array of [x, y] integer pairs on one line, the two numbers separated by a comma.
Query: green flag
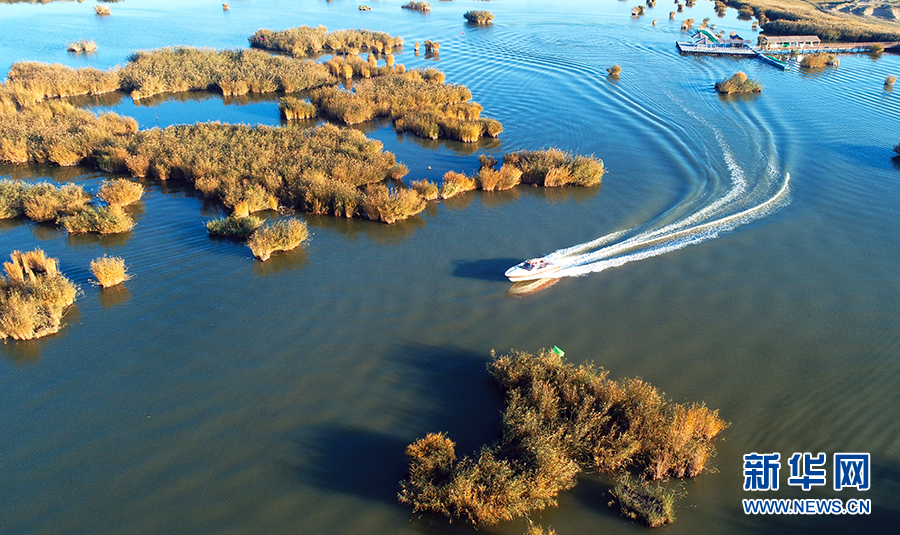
[[559, 351]]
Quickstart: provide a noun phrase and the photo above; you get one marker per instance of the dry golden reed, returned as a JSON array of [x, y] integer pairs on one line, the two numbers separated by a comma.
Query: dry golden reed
[[33, 296], [283, 235], [109, 271], [559, 420]]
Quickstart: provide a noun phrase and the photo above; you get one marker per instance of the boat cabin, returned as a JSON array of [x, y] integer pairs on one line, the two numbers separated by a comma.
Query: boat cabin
[[777, 42]]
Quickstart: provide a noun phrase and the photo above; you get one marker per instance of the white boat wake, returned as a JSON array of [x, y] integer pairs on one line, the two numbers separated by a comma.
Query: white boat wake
[[741, 204]]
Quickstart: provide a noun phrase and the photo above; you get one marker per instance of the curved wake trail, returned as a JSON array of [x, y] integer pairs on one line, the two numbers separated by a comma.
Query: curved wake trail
[[741, 204]]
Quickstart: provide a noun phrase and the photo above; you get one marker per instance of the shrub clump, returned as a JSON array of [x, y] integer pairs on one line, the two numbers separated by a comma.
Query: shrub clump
[[293, 109], [120, 192], [233, 72], [478, 17], [559, 420], [82, 46], [110, 219], [33, 296], [426, 189], [234, 226], [738, 83], [640, 500], [109, 271], [41, 202], [555, 168], [381, 204], [424, 7], [305, 40], [818, 61], [455, 183], [418, 101], [284, 235]]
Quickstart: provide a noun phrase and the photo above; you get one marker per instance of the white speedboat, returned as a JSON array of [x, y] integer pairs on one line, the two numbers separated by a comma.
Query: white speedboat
[[537, 268]]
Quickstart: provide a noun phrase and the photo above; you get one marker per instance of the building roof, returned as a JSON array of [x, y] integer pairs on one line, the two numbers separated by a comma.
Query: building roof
[[778, 39]]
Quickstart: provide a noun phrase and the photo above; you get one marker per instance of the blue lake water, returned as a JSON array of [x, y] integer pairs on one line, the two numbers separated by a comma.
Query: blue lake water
[[217, 394]]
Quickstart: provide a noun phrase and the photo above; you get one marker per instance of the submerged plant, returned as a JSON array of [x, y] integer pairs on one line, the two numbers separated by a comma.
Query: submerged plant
[[638, 499]]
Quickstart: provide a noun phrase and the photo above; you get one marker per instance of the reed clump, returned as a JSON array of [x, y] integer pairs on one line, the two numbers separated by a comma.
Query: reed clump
[[30, 81], [559, 420], [889, 81], [284, 235], [615, 70], [234, 226], [57, 132], [479, 17], [109, 271], [101, 220], [640, 500], [305, 40], [33, 296], [418, 101], [294, 109], [41, 202], [489, 179], [233, 72], [423, 7], [381, 204], [426, 189], [455, 183], [556, 168], [818, 61], [120, 192], [82, 46], [738, 83], [102, 10]]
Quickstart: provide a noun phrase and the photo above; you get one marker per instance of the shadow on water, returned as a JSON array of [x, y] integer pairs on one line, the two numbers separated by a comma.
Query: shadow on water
[[443, 389], [353, 229], [108, 240], [29, 351], [116, 295], [488, 269], [293, 260], [456, 147], [21, 352]]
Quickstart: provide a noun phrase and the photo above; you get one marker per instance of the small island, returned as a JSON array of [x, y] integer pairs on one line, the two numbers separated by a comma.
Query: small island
[[738, 83]]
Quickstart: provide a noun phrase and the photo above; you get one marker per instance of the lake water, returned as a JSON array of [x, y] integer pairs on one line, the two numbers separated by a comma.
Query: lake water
[[217, 394]]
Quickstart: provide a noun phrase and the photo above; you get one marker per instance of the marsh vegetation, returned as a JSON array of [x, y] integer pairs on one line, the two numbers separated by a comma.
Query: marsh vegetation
[[423, 7], [818, 61], [283, 235], [559, 420], [33, 296], [799, 17], [306, 40], [479, 17], [738, 83], [109, 271], [418, 101]]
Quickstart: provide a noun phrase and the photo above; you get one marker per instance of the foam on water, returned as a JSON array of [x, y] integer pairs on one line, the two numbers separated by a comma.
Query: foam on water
[[736, 207]]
